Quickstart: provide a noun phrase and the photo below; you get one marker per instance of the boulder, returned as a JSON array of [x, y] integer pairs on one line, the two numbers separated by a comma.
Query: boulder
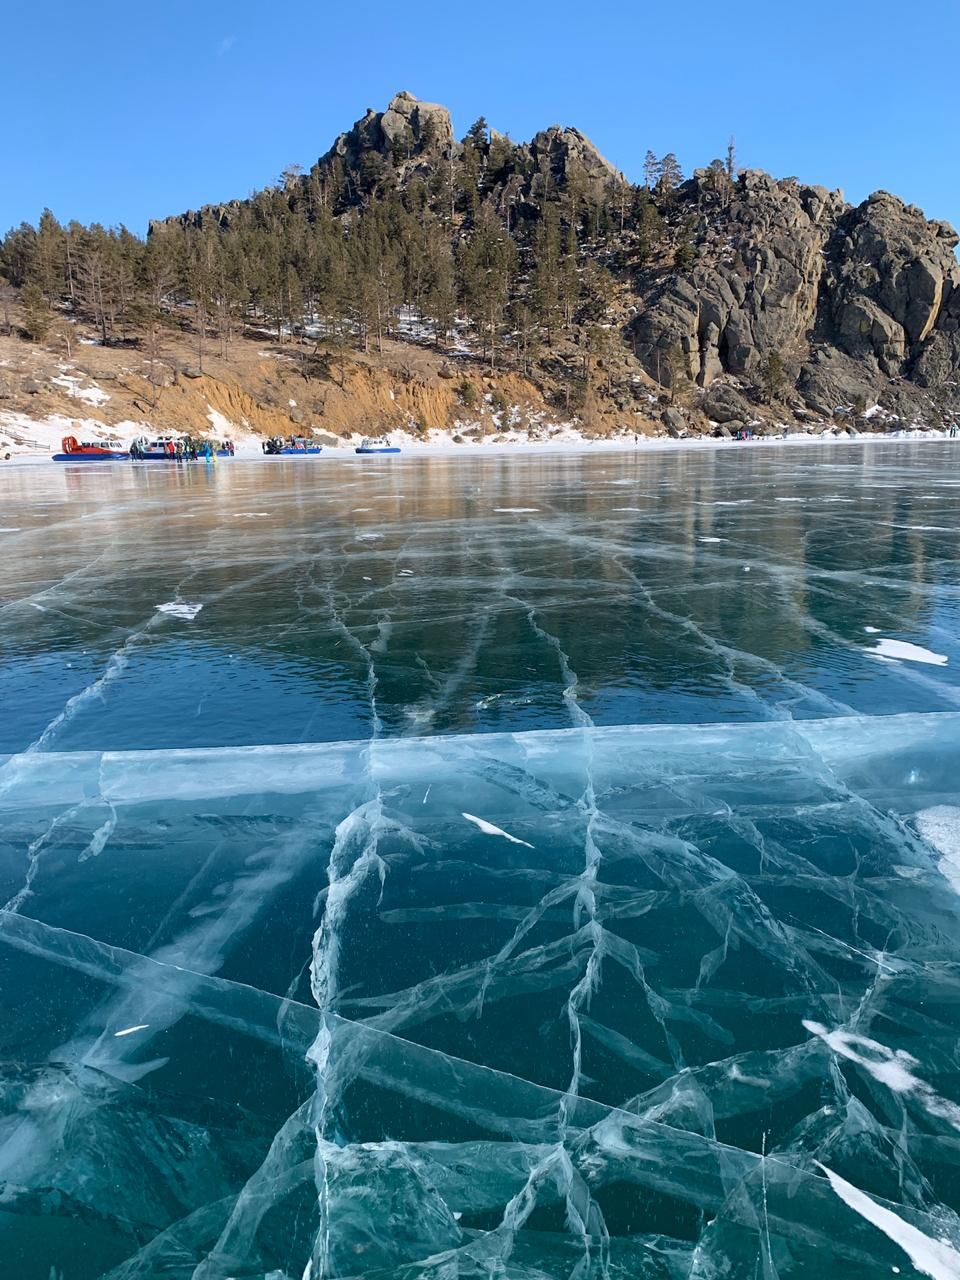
[[724, 403], [191, 371], [407, 119], [831, 381], [675, 423]]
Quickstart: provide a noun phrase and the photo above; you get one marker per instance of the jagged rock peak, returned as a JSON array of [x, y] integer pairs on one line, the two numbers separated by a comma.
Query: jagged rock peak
[[407, 112], [419, 127], [563, 148]]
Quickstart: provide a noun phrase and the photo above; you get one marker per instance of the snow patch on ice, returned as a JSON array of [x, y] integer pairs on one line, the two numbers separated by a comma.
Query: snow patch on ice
[[517, 511], [940, 827], [489, 829], [180, 609], [901, 649]]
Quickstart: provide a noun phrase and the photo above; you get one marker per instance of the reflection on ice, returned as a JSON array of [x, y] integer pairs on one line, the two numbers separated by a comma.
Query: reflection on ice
[[306, 1013]]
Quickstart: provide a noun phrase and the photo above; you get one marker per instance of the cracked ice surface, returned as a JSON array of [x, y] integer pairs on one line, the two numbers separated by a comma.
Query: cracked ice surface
[[625, 1050], [496, 968]]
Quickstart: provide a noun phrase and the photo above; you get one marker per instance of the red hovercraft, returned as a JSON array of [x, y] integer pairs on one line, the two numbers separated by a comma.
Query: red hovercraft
[[74, 451]]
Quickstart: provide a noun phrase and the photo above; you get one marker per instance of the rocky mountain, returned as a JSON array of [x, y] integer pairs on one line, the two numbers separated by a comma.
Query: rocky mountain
[[724, 298]]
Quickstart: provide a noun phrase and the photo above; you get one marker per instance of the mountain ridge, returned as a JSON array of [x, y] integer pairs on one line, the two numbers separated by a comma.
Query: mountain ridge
[[717, 300]]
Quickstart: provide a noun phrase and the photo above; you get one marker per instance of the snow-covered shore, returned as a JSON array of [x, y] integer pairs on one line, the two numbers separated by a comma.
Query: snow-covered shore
[[34, 440]]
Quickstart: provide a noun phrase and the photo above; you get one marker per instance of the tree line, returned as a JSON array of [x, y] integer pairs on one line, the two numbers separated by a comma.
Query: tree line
[[340, 254]]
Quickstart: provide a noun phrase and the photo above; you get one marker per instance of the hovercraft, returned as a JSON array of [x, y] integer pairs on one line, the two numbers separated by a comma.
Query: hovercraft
[[376, 446], [85, 451], [295, 446]]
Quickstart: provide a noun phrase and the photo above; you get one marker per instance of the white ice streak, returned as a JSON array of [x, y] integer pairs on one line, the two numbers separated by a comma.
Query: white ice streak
[[180, 609], [489, 829], [940, 827], [893, 1068], [128, 1031], [935, 1258], [906, 652]]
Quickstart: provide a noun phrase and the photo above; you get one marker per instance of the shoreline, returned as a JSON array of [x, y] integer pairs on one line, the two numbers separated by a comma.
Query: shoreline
[[44, 439], [247, 451]]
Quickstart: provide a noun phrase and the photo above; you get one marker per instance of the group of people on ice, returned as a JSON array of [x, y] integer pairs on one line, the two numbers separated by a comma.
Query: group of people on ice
[[186, 449]]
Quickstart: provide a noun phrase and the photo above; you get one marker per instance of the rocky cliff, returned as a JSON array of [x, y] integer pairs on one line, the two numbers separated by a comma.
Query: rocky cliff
[[733, 296], [858, 303]]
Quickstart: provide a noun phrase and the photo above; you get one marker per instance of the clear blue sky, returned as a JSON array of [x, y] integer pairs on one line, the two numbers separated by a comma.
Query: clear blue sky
[[122, 112]]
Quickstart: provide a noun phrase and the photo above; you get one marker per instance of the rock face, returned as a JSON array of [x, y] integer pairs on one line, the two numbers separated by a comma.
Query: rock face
[[754, 285], [858, 303], [408, 127], [558, 153]]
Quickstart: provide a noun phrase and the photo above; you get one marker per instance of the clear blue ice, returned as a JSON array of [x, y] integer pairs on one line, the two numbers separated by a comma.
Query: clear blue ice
[[517, 867]]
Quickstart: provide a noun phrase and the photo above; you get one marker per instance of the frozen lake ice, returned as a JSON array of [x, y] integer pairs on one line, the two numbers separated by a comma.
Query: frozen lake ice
[[520, 867]]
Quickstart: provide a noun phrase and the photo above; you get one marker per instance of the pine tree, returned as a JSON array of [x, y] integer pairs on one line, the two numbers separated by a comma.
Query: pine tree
[[683, 255], [48, 267], [486, 263], [731, 159], [440, 293], [651, 170], [19, 254], [569, 281], [546, 274], [94, 278], [772, 376], [478, 134], [429, 136], [648, 224], [669, 175], [37, 315]]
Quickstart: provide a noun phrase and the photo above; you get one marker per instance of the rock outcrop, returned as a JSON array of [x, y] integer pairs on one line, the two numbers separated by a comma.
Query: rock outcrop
[[559, 152], [408, 128], [858, 303], [753, 287]]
